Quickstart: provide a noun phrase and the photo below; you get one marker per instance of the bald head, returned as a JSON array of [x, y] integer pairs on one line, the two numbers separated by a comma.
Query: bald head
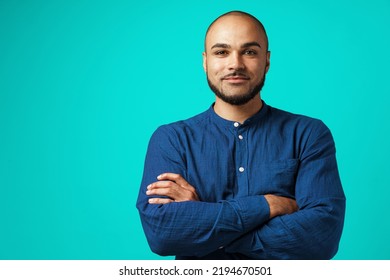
[[239, 14]]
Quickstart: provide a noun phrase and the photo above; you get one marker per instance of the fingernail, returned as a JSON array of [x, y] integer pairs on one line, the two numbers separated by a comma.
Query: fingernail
[[151, 200], [159, 176], [147, 192]]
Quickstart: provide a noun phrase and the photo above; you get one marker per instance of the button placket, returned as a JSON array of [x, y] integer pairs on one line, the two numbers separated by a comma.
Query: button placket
[[240, 132], [241, 148]]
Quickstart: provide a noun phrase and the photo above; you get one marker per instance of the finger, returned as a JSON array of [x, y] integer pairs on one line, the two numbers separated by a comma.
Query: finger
[[161, 184], [161, 191], [169, 176], [177, 178], [160, 200], [180, 183]]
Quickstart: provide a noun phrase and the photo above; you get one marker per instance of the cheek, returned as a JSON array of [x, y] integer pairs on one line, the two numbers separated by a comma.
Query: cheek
[[215, 67], [257, 70]]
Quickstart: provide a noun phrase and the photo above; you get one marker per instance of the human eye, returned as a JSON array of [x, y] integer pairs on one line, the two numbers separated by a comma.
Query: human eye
[[250, 52], [220, 52]]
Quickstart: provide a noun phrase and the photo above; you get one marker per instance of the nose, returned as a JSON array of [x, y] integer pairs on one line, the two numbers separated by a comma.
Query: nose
[[235, 62]]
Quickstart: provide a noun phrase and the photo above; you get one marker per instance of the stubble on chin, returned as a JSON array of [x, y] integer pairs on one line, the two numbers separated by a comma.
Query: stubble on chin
[[236, 99]]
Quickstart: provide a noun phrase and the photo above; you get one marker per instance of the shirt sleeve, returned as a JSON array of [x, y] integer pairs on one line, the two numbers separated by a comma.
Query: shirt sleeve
[[314, 231], [190, 228]]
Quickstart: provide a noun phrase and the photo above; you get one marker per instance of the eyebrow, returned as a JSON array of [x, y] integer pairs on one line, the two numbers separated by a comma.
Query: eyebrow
[[251, 44], [246, 45]]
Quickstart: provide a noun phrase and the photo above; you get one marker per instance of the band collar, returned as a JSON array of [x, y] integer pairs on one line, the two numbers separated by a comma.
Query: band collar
[[254, 119]]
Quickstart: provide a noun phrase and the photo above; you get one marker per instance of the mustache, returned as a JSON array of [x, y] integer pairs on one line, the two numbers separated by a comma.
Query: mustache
[[236, 74]]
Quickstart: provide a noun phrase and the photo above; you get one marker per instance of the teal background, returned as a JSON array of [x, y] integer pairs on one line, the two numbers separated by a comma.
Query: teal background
[[83, 84]]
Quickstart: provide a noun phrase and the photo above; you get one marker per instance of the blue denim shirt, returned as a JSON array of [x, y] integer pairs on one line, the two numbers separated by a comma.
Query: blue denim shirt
[[232, 166]]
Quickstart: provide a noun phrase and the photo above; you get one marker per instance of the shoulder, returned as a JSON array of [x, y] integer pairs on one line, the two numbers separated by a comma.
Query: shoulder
[[312, 136], [309, 134], [179, 129], [298, 122]]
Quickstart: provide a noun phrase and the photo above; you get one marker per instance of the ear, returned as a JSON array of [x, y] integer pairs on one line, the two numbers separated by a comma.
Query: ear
[[204, 61], [268, 61]]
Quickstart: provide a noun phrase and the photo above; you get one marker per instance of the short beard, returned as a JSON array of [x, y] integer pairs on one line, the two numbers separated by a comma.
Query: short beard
[[237, 99]]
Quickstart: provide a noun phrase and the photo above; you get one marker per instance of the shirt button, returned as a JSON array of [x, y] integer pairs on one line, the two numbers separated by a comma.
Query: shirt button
[[236, 124], [241, 169], [240, 137]]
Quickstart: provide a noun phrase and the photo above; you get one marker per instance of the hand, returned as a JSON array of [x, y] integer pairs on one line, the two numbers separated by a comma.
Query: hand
[[279, 205], [173, 186]]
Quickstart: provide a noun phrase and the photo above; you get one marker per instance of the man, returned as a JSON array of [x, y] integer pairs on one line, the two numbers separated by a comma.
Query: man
[[242, 180]]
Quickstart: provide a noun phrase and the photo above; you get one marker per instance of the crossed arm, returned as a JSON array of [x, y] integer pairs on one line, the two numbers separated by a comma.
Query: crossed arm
[[174, 188]]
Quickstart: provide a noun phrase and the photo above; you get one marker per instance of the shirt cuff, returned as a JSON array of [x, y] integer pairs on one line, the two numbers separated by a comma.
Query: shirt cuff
[[254, 211]]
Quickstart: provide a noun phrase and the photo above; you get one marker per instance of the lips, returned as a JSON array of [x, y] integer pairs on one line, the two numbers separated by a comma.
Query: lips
[[236, 79]]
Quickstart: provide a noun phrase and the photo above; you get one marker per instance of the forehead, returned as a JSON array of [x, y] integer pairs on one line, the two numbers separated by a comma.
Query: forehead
[[234, 30]]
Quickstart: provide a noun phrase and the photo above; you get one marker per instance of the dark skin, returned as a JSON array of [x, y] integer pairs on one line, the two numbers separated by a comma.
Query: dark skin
[[233, 43]]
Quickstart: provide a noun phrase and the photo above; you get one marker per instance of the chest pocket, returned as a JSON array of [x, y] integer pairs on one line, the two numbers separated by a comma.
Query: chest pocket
[[276, 177]]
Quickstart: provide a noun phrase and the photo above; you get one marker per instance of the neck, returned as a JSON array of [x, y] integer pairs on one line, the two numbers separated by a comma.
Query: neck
[[237, 113]]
